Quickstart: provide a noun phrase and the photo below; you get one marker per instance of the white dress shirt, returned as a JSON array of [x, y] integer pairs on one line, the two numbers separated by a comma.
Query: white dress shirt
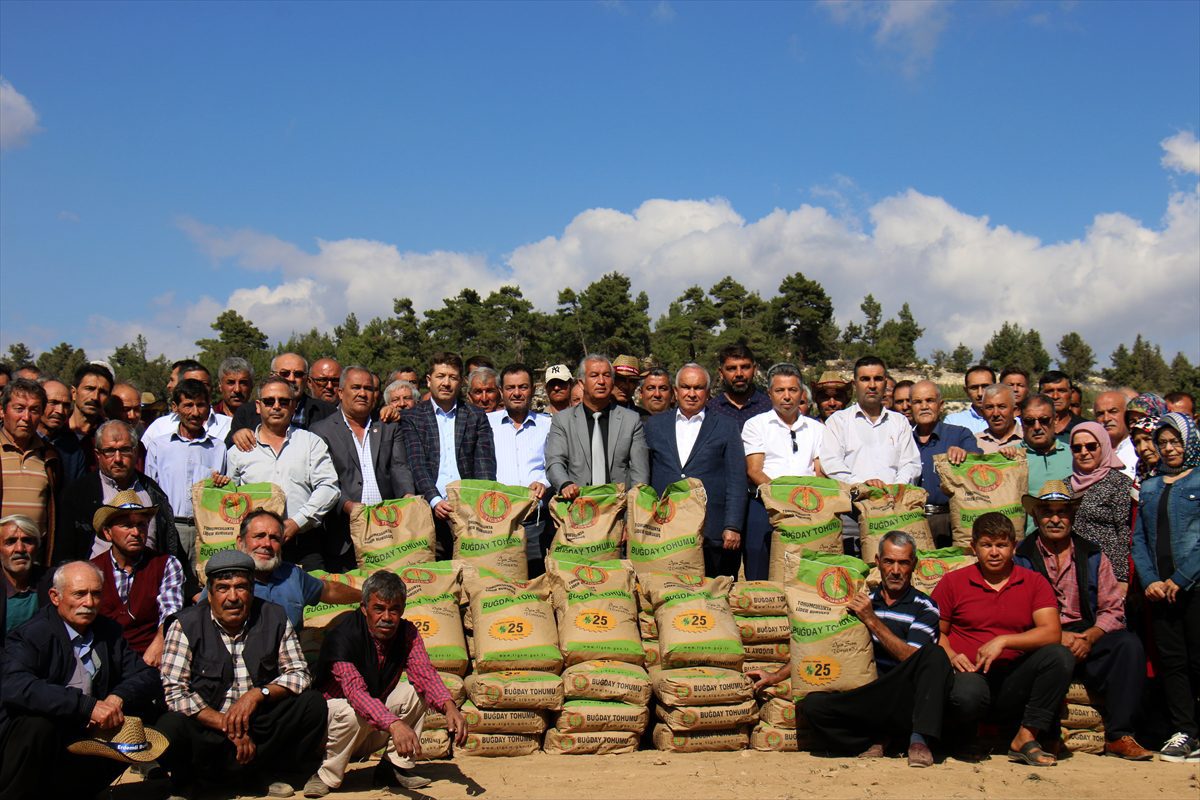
[[303, 469], [783, 454], [366, 463], [175, 463], [217, 425], [686, 432], [1128, 455], [520, 452], [857, 449]]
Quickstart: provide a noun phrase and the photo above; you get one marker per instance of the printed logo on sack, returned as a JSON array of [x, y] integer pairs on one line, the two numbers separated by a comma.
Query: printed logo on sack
[[472, 743], [693, 622], [664, 512], [652, 656], [774, 739], [595, 620], [930, 568], [590, 575], [493, 506], [679, 740], [818, 670], [417, 575], [741, 602], [426, 626], [387, 516], [690, 580], [834, 585], [580, 682], [747, 631], [234, 506], [492, 693], [510, 629], [807, 499], [688, 717], [472, 718], [583, 512], [985, 478], [574, 719], [566, 742]]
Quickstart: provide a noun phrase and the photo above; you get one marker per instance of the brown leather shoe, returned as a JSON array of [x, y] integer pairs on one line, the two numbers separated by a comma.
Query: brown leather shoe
[[874, 751], [919, 755], [1127, 747]]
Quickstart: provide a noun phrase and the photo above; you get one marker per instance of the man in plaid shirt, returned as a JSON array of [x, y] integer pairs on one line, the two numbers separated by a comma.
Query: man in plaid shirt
[[237, 688], [359, 670]]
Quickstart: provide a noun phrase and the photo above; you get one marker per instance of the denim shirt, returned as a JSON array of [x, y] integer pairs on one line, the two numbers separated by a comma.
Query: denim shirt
[[1184, 513]]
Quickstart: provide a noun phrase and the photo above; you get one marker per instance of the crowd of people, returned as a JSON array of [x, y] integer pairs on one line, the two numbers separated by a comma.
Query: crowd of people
[[113, 648]]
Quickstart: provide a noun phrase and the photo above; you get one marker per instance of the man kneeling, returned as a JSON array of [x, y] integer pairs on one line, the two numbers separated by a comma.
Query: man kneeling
[[914, 673], [362, 658]]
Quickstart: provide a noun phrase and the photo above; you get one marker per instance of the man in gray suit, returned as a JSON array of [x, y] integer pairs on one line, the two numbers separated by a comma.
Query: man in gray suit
[[369, 456], [596, 441]]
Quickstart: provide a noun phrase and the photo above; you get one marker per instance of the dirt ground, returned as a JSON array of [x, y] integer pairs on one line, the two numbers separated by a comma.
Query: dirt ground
[[652, 775]]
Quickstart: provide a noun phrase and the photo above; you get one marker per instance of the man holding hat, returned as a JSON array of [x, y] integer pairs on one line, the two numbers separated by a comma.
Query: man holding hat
[[67, 672], [237, 688], [1109, 659], [142, 587], [558, 383]]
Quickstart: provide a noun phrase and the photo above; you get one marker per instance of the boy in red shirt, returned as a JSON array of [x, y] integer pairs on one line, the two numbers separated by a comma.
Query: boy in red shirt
[[1000, 628]]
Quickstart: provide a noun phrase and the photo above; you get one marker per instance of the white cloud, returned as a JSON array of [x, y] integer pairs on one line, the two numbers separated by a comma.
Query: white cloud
[[663, 11], [909, 28], [1182, 152], [18, 119]]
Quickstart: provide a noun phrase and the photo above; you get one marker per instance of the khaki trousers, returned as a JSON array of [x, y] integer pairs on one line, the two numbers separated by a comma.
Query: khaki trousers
[[350, 737]]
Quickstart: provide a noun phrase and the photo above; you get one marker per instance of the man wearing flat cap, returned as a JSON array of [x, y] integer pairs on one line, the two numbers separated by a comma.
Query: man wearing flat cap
[[237, 688], [1109, 659], [67, 673], [142, 587]]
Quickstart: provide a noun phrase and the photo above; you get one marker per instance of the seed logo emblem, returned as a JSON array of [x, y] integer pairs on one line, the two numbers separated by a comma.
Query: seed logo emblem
[[774, 739], [834, 585], [688, 717], [234, 506], [741, 602], [930, 568], [807, 499], [818, 671], [583, 512], [592, 576], [664, 512], [510, 629], [690, 580], [984, 477], [580, 682], [493, 693], [417, 575], [493, 506], [566, 742], [574, 719], [472, 718], [387, 516]]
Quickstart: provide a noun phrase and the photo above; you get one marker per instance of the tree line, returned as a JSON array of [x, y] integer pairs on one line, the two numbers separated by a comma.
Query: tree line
[[797, 324]]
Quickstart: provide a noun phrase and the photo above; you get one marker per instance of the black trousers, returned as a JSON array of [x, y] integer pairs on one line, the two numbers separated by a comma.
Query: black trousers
[[756, 542], [908, 698], [306, 550], [1030, 689], [443, 539], [34, 762], [719, 561], [1116, 669], [1176, 629], [289, 740]]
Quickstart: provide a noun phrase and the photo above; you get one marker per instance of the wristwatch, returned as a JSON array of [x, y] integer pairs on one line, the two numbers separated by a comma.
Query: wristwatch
[[266, 692]]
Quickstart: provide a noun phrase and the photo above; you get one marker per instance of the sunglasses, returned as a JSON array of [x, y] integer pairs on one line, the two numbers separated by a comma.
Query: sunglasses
[[1091, 447], [270, 402], [290, 373], [325, 381], [795, 447], [1031, 422], [109, 452]]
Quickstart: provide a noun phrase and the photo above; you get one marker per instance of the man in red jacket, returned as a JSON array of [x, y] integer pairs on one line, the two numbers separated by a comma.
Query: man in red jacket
[[142, 587]]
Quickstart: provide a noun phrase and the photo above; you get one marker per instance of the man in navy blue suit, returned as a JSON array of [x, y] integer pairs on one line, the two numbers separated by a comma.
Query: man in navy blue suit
[[690, 442]]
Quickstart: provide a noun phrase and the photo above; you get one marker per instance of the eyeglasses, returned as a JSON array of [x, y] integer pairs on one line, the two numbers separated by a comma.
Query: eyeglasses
[[290, 373], [1174, 444], [109, 452], [326, 381], [270, 402], [795, 447], [1031, 422], [1091, 447]]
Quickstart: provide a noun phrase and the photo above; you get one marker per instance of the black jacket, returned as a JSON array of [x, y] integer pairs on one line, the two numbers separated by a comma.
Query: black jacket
[[39, 578]]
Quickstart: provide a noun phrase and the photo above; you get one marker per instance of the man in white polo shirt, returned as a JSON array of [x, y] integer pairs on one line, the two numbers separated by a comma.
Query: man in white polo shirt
[[780, 442]]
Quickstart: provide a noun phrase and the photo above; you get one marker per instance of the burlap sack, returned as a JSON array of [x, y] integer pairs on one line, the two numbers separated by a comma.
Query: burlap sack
[[666, 534], [321, 616], [1080, 717], [593, 743], [486, 520], [831, 648], [804, 516], [392, 534], [699, 741], [514, 624], [590, 526], [500, 744], [647, 625], [758, 599], [435, 743], [434, 593], [607, 680], [589, 716], [526, 689], [219, 511], [650, 649], [980, 484], [707, 718], [781, 690], [896, 507], [1079, 694], [932, 566], [597, 612], [777, 652], [701, 686], [695, 625], [503, 720], [1083, 741], [779, 712], [763, 629], [780, 740]]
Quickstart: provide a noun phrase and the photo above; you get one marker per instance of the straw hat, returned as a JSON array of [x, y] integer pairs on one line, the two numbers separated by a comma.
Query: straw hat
[[132, 743], [831, 378], [627, 365], [125, 503], [1051, 492]]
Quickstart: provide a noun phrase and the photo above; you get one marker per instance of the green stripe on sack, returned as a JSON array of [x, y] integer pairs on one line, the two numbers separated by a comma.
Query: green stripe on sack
[[782, 488], [476, 547], [624, 673], [799, 534], [446, 652], [968, 516], [722, 646], [606, 547], [390, 555], [537, 653], [641, 551], [622, 646], [675, 598], [997, 460], [807, 632], [207, 550], [812, 564], [890, 522], [591, 596], [493, 605], [943, 554], [210, 495], [430, 600]]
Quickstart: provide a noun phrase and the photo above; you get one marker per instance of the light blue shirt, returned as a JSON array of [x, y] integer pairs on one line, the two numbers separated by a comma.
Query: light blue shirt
[[968, 419], [520, 452], [175, 464], [82, 643], [447, 455]]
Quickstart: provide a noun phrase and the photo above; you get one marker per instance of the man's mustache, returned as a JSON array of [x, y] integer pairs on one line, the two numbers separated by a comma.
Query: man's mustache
[[233, 605]]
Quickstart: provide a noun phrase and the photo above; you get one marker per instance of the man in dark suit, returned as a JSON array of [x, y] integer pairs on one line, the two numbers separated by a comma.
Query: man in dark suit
[[309, 410], [369, 456], [66, 669], [596, 426], [693, 443], [446, 441]]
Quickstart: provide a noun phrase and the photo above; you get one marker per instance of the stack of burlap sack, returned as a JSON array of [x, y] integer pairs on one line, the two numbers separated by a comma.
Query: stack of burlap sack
[[1082, 726]]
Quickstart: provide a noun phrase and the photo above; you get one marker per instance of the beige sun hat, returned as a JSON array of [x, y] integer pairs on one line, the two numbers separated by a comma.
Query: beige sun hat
[[132, 743], [1051, 492], [126, 502]]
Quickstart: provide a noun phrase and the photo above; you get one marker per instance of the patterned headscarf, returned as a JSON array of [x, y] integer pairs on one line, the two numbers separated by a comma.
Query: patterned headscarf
[[1149, 404], [1183, 425], [1106, 459], [1146, 425]]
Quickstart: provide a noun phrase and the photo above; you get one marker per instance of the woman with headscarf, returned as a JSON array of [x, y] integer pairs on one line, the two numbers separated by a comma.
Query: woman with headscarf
[[1104, 514], [1147, 404], [1166, 552]]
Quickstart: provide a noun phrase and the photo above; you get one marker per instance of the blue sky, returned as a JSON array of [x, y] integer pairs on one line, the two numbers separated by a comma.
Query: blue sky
[[1034, 162]]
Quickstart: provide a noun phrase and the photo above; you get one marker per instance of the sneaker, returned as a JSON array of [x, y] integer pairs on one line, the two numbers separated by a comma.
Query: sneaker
[[1180, 748], [388, 774], [316, 787], [280, 789]]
